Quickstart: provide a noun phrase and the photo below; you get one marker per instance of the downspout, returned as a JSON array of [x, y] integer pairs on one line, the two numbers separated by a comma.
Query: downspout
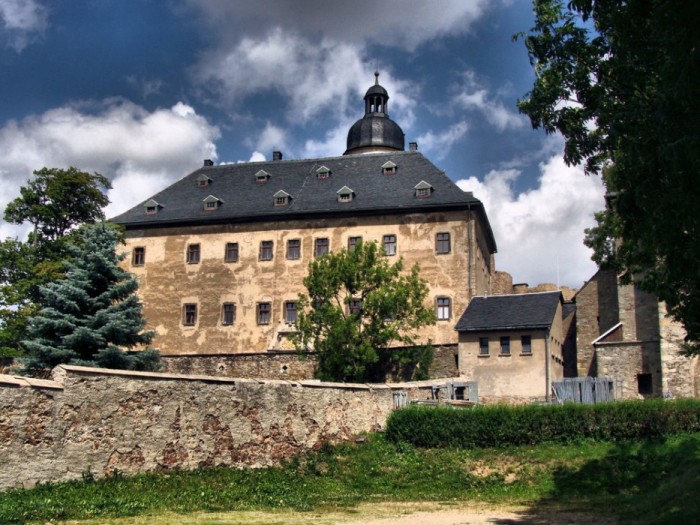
[[470, 254], [546, 365]]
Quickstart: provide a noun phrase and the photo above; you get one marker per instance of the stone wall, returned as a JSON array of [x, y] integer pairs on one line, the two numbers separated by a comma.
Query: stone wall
[[106, 420], [284, 365], [623, 361]]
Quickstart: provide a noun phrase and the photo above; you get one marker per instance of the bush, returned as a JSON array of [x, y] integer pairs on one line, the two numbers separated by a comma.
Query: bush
[[497, 426]]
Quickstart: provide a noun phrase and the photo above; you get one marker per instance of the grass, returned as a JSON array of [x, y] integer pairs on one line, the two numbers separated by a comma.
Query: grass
[[638, 481]]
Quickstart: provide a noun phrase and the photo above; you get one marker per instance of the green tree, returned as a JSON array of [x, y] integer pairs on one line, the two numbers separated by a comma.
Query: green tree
[[54, 203], [619, 80], [358, 304], [92, 314]]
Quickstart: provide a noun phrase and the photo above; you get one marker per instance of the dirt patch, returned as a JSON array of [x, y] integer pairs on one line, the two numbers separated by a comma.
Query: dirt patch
[[415, 513]]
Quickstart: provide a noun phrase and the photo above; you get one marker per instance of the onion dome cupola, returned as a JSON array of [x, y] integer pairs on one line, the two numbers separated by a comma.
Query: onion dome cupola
[[375, 131]]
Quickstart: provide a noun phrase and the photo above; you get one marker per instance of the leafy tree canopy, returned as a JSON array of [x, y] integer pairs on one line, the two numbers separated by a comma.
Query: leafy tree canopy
[[54, 202], [357, 305], [92, 314], [619, 80]]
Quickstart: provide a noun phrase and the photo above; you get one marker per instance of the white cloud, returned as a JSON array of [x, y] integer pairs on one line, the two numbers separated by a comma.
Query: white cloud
[[139, 151], [398, 23], [471, 95], [441, 143], [22, 21], [272, 138], [314, 78], [540, 232]]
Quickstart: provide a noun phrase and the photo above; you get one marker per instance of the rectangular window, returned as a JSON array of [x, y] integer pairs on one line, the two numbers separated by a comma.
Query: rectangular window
[[293, 249], [321, 246], [442, 243], [189, 314], [526, 343], [231, 252], [138, 257], [443, 308], [210, 205], [264, 313], [290, 312], [353, 242], [355, 307], [228, 313], [505, 345], [193, 254], [644, 384], [266, 250], [483, 346], [389, 243]]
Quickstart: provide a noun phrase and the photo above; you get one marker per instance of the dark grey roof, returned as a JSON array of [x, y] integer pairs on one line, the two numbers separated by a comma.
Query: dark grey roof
[[244, 199], [375, 130], [568, 309], [510, 312]]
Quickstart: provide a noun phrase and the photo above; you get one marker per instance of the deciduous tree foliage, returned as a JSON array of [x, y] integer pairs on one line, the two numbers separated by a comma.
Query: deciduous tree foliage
[[92, 314], [357, 305], [54, 202], [619, 80]]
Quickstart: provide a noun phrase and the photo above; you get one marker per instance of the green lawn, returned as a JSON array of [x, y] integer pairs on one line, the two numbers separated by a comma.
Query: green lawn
[[639, 482]]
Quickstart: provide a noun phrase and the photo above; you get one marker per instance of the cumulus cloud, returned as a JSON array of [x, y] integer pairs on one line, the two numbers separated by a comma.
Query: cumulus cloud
[[313, 78], [22, 21], [540, 232], [440, 144], [140, 151], [471, 95], [398, 23]]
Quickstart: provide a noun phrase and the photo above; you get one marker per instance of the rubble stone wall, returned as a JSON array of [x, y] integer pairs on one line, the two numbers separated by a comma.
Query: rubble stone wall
[[100, 421]]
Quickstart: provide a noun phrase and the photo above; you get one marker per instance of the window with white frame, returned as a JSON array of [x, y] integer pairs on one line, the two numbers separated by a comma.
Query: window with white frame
[[444, 307]]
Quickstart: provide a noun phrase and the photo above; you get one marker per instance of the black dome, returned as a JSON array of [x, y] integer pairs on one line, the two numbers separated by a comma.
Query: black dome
[[375, 131]]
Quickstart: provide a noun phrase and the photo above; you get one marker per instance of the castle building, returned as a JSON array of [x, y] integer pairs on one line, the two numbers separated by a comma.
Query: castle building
[[221, 254]]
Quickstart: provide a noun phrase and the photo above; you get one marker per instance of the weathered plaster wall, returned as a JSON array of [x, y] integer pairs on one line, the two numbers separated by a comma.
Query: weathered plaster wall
[[515, 376], [136, 422], [167, 282]]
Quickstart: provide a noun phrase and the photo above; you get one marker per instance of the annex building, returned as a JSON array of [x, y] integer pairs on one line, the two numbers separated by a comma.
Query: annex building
[[221, 254]]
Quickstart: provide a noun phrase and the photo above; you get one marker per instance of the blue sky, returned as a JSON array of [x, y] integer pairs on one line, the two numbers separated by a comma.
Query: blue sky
[[143, 90]]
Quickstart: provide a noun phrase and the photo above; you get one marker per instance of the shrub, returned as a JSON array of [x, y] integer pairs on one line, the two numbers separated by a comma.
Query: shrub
[[497, 426]]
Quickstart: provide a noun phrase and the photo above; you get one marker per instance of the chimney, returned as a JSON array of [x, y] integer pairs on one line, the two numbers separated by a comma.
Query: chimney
[[208, 162], [276, 155], [412, 146]]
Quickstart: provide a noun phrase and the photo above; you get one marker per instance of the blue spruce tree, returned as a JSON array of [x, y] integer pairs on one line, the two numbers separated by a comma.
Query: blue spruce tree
[[91, 315]]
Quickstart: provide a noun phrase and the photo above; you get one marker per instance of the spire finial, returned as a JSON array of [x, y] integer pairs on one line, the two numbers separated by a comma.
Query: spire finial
[[376, 77]]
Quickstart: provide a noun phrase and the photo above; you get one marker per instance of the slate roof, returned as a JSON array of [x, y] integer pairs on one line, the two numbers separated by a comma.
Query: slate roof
[[510, 312], [243, 199]]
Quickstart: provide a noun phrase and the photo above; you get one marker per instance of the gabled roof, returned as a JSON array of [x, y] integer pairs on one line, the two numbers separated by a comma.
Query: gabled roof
[[248, 201], [510, 312]]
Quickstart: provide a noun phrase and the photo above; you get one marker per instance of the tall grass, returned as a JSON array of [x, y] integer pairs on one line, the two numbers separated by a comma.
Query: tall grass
[[640, 481]]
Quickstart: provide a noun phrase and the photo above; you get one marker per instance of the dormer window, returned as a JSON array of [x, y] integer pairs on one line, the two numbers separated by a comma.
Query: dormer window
[[281, 198], [211, 203], [323, 173], [261, 177], [345, 194], [152, 207], [389, 168], [203, 181], [423, 190]]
